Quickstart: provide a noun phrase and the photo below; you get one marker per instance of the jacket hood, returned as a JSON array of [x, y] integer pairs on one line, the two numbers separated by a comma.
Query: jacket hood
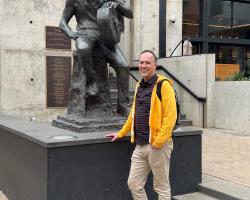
[[160, 77]]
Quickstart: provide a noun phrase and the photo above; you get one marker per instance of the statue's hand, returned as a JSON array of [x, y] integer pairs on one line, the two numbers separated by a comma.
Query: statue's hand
[[111, 4], [73, 35]]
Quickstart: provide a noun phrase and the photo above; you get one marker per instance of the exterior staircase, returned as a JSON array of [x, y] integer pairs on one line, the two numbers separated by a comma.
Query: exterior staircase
[[184, 121], [217, 190], [113, 91]]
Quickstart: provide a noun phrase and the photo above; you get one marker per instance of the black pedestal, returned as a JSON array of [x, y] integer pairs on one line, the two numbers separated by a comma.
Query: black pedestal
[[37, 166], [186, 161]]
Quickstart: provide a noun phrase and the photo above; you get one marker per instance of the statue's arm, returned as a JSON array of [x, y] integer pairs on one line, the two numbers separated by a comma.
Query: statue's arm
[[68, 12], [125, 10]]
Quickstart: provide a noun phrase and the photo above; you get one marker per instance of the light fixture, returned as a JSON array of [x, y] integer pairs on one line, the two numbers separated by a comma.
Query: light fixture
[[172, 19]]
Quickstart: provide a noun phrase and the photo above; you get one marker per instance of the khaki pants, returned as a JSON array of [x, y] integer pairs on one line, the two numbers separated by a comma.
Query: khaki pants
[[145, 159]]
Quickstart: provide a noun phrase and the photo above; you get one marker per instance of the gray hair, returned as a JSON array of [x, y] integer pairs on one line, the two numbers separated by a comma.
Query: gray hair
[[149, 51]]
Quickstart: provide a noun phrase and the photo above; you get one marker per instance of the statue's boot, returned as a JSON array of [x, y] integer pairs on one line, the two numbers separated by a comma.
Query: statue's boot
[[123, 104]]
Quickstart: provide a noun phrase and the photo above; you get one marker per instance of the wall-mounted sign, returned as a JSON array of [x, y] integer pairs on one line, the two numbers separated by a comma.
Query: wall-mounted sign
[[56, 39], [58, 80]]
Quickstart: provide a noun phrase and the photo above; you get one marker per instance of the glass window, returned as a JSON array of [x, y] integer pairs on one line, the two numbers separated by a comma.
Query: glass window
[[241, 20], [230, 59], [224, 54], [247, 60], [197, 48], [219, 20], [191, 19]]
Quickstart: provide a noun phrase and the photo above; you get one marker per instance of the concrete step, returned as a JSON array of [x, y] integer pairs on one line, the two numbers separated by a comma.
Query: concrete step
[[111, 76], [112, 80], [194, 196], [185, 122], [225, 190], [113, 84], [114, 99], [114, 104], [113, 93], [182, 116]]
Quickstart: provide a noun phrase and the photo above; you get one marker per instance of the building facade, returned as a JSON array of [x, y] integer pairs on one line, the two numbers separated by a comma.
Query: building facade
[[213, 26], [220, 27]]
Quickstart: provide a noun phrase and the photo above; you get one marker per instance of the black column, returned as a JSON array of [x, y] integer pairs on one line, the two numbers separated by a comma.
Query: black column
[[162, 28]]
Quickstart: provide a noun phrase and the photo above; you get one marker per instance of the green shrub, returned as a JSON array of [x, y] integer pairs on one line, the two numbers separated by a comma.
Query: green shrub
[[237, 76], [217, 78]]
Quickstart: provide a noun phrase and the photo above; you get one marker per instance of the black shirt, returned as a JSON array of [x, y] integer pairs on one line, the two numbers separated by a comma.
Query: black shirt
[[142, 109]]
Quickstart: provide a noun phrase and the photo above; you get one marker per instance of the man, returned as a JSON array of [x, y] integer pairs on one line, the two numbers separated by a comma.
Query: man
[[87, 37], [151, 122]]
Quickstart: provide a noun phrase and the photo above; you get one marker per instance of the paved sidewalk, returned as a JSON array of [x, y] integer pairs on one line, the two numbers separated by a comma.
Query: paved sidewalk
[[226, 155]]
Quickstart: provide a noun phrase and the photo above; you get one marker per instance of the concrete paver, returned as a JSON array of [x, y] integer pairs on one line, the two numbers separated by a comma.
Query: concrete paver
[[226, 155]]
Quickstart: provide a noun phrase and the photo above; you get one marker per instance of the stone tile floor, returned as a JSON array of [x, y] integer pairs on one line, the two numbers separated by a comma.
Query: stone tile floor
[[225, 155]]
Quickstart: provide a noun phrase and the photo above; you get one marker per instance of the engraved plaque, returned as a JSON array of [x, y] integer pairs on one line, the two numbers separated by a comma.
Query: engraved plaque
[[56, 39], [58, 80]]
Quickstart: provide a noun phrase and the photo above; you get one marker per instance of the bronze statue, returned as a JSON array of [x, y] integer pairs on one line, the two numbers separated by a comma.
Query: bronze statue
[[99, 25]]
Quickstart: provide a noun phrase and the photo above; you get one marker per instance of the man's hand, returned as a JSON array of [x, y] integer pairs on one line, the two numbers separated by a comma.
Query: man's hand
[[154, 148], [113, 136]]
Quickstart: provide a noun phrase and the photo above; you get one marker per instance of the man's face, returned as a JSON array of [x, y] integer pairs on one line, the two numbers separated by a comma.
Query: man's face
[[147, 65]]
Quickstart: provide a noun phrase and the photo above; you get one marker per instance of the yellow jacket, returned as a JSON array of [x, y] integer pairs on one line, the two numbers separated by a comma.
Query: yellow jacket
[[162, 115]]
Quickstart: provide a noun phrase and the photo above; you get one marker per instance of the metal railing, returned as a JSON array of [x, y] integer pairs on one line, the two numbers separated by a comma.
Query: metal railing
[[182, 47], [181, 42], [200, 99]]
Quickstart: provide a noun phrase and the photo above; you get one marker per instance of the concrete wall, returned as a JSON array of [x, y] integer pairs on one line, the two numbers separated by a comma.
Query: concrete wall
[[23, 52], [174, 30], [192, 72], [145, 26], [232, 105], [23, 55], [126, 37]]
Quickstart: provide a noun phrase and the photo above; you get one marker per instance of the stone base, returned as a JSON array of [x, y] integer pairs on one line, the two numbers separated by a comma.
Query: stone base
[[86, 125], [41, 162]]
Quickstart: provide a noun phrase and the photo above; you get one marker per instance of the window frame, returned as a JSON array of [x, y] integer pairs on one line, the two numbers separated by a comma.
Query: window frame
[[204, 39]]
